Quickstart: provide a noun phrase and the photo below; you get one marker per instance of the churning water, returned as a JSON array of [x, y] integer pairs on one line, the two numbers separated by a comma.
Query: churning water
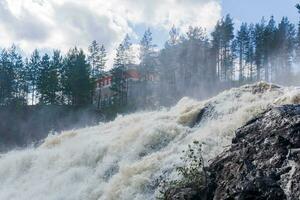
[[123, 159]]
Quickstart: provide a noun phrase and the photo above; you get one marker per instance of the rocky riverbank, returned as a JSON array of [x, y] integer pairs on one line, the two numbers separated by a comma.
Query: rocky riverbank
[[263, 162]]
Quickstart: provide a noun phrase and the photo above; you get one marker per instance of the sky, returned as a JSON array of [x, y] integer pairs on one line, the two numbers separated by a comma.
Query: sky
[[251, 11], [62, 24]]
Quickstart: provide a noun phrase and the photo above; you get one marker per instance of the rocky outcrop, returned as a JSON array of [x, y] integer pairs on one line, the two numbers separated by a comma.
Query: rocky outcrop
[[263, 161]]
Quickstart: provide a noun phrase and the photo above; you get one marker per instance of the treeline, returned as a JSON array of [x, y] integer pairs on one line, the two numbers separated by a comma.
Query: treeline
[[195, 64], [45, 80], [192, 64]]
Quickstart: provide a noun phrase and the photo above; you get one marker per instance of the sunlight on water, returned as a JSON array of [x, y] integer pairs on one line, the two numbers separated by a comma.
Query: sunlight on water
[[123, 159]]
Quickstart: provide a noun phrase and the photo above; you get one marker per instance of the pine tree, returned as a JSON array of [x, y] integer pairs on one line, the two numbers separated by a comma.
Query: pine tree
[[32, 70], [217, 49], [48, 80], [102, 58], [222, 47], [242, 42], [259, 47], [228, 37], [127, 50], [22, 85], [7, 79], [169, 66], [195, 66], [297, 43], [96, 58], [250, 51], [285, 41], [43, 80], [56, 69], [118, 84], [20, 89], [147, 69], [297, 40], [147, 54], [77, 82], [269, 47]]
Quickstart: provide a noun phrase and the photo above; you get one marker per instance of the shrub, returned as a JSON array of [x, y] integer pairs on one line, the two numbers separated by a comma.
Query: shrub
[[192, 173]]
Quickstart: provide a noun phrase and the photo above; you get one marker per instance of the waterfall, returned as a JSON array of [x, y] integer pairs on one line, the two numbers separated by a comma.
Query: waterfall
[[124, 159]]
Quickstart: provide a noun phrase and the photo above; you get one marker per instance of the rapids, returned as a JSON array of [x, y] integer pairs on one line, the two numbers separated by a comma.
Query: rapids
[[123, 159]]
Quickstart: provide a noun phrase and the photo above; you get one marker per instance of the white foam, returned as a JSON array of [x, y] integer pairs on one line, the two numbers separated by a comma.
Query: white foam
[[122, 159]]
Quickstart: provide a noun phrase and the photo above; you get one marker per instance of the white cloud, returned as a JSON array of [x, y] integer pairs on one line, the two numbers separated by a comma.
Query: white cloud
[[48, 24]]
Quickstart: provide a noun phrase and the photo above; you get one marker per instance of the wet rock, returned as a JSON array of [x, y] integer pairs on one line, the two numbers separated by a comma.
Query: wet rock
[[205, 113], [182, 194], [261, 165], [190, 192], [262, 162]]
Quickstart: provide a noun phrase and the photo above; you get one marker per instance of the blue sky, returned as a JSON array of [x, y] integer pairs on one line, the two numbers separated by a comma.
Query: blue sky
[[250, 11], [253, 10]]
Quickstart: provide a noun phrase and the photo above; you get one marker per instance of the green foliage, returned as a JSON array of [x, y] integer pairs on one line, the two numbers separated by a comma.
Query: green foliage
[[32, 69], [21, 83], [7, 76], [13, 85], [77, 83], [118, 85], [97, 59], [147, 68], [147, 54], [54, 92], [222, 42], [43, 80], [47, 81], [190, 64], [192, 172]]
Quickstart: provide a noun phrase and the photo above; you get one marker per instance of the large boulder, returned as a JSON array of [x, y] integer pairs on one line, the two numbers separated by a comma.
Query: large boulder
[[263, 161]]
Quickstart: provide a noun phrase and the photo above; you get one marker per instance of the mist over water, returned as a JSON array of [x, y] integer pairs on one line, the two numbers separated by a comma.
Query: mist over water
[[123, 159]]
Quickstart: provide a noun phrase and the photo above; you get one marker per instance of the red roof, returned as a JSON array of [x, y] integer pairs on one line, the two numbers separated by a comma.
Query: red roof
[[133, 74]]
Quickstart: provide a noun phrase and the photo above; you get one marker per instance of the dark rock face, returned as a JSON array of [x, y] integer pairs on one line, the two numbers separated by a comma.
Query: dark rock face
[[187, 193], [204, 113], [262, 163]]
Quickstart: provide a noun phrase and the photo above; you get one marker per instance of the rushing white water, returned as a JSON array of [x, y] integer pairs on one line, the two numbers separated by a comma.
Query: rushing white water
[[124, 158]]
